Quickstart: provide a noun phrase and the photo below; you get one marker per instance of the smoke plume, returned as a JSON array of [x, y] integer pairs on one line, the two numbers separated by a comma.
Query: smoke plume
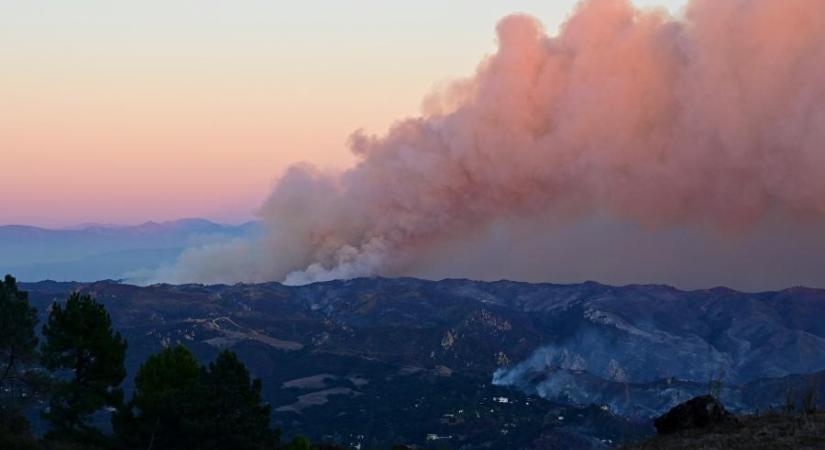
[[713, 121]]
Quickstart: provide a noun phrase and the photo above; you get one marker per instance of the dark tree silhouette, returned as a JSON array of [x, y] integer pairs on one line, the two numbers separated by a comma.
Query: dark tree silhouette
[[164, 389], [87, 357], [18, 344], [17, 339], [177, 404], [226, 409]]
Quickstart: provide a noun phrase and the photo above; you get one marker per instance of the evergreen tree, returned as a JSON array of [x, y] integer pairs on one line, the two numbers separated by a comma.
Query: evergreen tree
[[17, 349], [177, 404], [17, 339], [164, 389], [226, 408], [87, 356]]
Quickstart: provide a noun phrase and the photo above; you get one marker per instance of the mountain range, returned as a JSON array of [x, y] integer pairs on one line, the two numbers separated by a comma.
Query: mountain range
[[466, 364], [96, 252]]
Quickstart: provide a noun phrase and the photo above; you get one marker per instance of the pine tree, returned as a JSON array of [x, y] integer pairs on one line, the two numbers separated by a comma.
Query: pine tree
[[227, 411], [17, 339], [18, 345], [87, 356], [164, 389], [177, 404]]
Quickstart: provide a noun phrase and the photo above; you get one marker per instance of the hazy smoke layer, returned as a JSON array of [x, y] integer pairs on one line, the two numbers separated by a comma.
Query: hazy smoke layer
[[714, 121]]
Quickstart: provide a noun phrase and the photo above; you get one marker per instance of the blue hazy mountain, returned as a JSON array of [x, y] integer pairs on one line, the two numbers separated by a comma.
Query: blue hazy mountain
[[97, 252]]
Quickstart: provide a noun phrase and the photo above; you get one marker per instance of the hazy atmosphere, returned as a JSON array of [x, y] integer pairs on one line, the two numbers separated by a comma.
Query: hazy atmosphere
[[158, 110], [628, 143]]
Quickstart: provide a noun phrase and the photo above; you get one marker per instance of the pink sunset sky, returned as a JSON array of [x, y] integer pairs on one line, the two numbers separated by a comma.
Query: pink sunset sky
[[156, 110]]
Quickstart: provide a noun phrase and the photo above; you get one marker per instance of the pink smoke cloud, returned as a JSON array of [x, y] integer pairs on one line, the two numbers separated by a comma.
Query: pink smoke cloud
[[711, 121]]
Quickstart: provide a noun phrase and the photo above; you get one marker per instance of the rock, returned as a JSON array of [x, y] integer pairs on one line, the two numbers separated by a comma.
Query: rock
[[699, 412]]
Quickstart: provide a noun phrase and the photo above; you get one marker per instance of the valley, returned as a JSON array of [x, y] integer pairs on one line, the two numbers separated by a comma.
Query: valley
[[375, 362]]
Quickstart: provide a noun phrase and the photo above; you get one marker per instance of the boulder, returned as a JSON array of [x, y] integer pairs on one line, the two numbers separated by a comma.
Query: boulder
[[700, 412]]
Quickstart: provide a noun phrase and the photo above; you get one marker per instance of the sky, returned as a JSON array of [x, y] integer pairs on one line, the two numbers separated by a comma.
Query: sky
[[124, 112]]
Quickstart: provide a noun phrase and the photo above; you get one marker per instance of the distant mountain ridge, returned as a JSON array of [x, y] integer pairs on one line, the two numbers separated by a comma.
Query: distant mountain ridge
[[400, 357], [94, 252], [191, 224]]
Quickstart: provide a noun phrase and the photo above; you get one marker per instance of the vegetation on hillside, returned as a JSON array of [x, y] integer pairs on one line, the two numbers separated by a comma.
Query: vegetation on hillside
[[767, 431], [79, 369], [703, 423]]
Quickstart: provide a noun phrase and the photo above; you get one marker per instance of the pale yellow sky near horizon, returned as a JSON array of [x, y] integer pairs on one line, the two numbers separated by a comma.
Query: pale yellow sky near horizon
[[124, 112]]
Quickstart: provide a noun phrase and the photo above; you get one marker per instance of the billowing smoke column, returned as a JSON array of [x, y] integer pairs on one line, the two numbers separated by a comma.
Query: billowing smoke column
[[715, 120]]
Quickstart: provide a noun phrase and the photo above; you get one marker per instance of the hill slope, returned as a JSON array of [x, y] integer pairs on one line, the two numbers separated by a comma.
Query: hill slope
[[396, 360], [764, 432]]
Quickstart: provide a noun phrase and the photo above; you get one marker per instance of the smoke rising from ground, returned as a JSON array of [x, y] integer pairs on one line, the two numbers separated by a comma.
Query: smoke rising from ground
[[712, 123]]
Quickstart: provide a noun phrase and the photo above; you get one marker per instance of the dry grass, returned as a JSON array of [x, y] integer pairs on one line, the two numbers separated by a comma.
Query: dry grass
[[768, 431]]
